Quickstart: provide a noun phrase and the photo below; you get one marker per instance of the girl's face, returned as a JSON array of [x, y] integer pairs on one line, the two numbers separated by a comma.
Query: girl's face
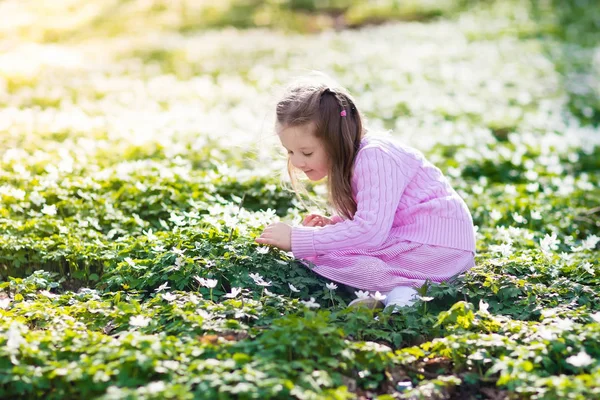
[[305, 151]]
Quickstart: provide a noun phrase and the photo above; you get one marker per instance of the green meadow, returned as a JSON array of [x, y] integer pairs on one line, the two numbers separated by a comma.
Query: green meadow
[[138, 163]]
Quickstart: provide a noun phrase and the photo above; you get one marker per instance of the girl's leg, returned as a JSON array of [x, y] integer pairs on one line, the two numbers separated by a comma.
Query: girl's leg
[[401, 296]]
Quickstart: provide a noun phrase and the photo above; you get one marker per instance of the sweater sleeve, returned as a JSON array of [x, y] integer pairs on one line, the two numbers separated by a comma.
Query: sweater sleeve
[[379, 186], [336, 218]]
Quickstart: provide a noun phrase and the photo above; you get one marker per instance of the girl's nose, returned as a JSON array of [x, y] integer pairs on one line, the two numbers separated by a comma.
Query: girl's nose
[[298, 163]]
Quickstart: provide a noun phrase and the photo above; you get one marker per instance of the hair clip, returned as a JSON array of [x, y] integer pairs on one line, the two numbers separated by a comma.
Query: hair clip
[[343, 113]]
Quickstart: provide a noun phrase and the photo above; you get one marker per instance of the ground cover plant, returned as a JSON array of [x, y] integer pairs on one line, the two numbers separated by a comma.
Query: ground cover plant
[[138, 164]]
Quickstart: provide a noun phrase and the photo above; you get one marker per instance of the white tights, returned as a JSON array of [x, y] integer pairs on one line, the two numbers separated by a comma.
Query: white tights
[[400, 296]]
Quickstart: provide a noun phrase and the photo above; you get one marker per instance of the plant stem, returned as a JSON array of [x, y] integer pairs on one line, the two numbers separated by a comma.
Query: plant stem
[[236, 216]]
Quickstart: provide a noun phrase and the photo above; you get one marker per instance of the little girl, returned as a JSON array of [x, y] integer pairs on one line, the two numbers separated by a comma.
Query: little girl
[[400, 222]]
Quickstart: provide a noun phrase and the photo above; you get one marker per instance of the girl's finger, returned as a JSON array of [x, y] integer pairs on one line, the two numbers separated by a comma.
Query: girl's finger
[[308, 218]]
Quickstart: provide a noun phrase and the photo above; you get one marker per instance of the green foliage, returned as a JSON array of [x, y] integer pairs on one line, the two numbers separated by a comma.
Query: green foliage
[[128, 208]]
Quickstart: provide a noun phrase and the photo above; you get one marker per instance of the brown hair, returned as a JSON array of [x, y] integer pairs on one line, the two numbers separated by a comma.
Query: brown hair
[[320, 105]]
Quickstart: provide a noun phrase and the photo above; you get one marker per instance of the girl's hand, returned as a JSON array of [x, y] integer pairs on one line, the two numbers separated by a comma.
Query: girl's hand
[[316, 220], [278, 235]]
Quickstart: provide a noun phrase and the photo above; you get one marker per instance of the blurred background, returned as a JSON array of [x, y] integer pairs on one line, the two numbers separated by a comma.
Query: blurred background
[[146, 78]]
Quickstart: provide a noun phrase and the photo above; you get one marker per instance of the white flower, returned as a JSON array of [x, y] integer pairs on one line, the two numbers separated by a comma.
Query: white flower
[[563, 324], [233, 294], [587, 244], [259, 280], [483, 307], [269, 293], [331, 286], [582, 359], [139, 320], [293, 288], [177, 251], [281, 262], [495, 215], [201, 281], [510, 190], [588, 268], [536, 215], [532, 187], [519, 219], [178, 220], [155, 387], [505, 249], [169, 297], [378, 296], [151, 237], [15, 338], [311, 303], [548, 312], [262, 249], [193, 299], [424, 298], [49, 210], [130, 262], [596, 317], [549, 243], [36, 198], [590, 242], [211, 283], [4, 302], [264, 283], [162, 287], [531, 175], [546, 333], [565, 256], [362, 294]]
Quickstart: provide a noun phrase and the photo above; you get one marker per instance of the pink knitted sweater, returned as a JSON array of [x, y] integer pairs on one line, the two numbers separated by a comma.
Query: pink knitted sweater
[[398, 194]]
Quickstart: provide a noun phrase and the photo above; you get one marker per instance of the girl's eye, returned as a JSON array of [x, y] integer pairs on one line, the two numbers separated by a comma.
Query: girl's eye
[[307, 154]]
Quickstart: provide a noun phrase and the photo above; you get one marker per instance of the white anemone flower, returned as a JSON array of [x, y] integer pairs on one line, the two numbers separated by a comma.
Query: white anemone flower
[[169, 297], [378, 296], [264, 283], [233, 294], [4, 303], [262, 249], [211, 283], [293, 288], [162, 287], [589, 268], [49, 210], [311, 303], [483, 307], [581, 359], [331, 286], [139, 320], [549, 243], [362, 294]]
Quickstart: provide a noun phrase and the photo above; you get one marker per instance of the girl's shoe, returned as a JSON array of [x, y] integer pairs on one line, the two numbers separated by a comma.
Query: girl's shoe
[[368, 302]]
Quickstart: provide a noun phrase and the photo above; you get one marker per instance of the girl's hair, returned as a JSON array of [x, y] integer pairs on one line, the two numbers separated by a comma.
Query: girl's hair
[[320, 105]]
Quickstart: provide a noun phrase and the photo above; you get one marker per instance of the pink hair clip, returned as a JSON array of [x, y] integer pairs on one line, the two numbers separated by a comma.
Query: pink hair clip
[[343, 113]]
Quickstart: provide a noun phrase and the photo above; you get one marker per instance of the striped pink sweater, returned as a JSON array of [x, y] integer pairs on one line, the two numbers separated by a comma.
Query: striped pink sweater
[[398, 194]]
